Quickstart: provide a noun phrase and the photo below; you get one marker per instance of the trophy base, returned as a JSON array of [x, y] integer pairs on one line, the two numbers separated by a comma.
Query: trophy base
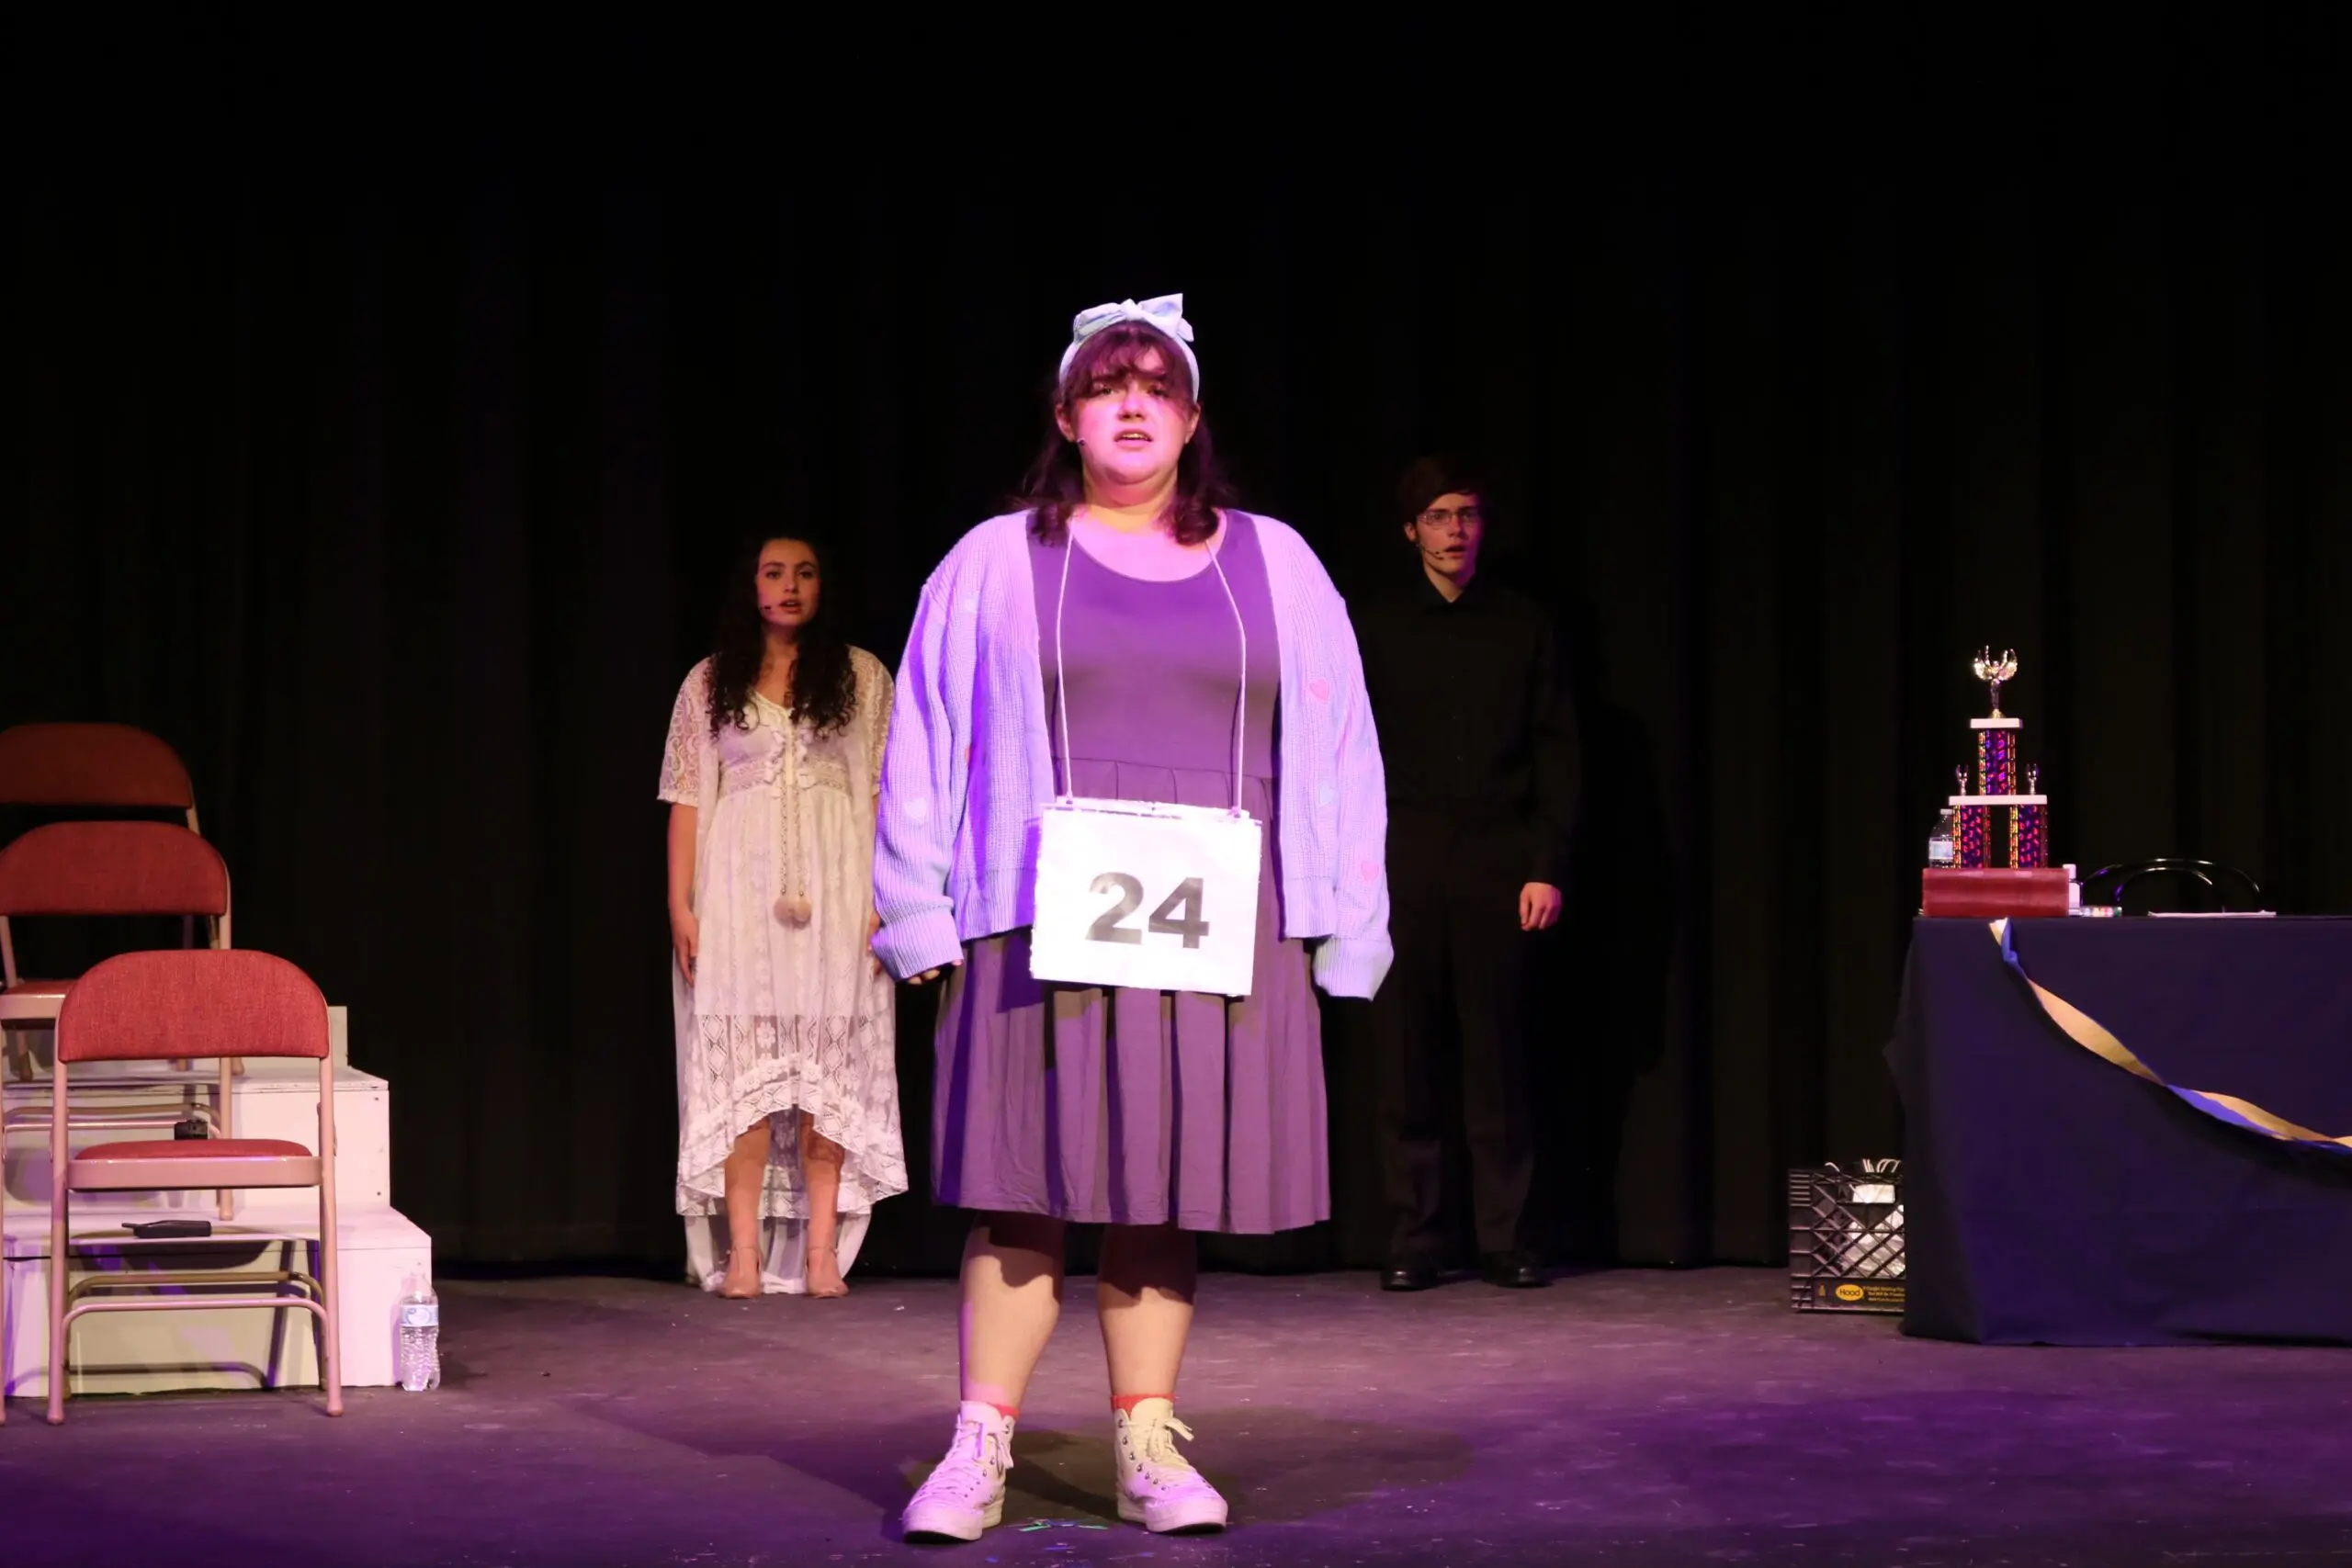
[[1993, 892]]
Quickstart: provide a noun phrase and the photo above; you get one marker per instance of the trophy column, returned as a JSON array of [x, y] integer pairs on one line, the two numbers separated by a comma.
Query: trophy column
[[1971, 851], [2029, 825], [1997, 754]]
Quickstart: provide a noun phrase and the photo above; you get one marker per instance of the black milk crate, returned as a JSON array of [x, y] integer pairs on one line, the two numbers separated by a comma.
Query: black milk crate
[[1846, 1237]]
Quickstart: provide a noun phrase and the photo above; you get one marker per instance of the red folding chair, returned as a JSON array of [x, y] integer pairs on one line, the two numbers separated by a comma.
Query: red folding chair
[[101, 766], [92, 764], [109, 868], [202, 1003], [95, 766]]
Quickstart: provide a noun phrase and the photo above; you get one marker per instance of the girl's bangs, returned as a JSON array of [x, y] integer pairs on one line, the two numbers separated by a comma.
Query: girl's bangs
[[1119, 351]]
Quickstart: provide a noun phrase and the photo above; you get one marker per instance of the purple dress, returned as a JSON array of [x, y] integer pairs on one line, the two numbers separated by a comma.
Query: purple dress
[[1133, 1107]]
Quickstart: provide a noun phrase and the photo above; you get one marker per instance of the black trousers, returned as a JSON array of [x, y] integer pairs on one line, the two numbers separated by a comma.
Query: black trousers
[[1453, 1004]]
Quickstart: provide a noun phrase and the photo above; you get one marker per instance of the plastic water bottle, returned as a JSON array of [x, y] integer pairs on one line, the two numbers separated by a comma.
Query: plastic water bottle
[[1940, 849], [420, 1336]]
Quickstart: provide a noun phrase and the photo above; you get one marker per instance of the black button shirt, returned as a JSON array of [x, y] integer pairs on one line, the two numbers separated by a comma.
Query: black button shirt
[[1476, 727]]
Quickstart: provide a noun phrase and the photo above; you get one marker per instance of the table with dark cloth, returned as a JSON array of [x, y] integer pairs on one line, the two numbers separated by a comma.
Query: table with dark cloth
[[2050, 1197]]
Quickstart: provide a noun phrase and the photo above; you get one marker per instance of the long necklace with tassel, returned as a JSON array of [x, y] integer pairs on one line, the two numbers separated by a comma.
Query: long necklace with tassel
[[792, 905]]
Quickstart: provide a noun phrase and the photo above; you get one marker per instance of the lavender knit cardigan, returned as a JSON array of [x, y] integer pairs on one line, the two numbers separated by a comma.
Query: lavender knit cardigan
[[969, 767]]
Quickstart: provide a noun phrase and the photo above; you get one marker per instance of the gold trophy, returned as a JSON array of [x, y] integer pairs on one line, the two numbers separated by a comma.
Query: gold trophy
[[1974, 883], [1993, 671]]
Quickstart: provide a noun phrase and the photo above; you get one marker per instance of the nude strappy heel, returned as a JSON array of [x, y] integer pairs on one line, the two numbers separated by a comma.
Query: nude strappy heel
[[841, 1286], [758, 1285]]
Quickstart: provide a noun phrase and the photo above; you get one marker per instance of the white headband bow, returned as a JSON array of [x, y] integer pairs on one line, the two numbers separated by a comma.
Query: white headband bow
[[1164, 313]]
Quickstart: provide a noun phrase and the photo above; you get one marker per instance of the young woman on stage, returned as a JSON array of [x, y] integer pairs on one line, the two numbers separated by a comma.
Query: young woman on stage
[[787, 1086], [1107, 642]]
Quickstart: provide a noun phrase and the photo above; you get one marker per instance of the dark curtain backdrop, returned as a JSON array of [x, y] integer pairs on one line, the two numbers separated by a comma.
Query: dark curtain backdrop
[[380, 411]]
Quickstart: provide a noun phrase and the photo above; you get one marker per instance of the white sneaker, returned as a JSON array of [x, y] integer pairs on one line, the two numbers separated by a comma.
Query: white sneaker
[[1159, 1488], [966, 1494]]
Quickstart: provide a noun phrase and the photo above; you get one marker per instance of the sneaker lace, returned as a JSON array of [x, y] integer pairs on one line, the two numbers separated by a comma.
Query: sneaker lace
[[970, 1470], [1159, 1451]]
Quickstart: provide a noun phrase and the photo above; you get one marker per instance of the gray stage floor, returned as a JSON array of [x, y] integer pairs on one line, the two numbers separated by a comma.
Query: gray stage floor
[[1627, 1417]]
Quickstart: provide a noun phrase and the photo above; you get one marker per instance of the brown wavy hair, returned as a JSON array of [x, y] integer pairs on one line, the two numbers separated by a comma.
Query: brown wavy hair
[[1055, 484]]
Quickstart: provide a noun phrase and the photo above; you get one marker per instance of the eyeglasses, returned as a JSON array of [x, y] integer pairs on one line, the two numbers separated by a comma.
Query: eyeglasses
[[1439, 514]]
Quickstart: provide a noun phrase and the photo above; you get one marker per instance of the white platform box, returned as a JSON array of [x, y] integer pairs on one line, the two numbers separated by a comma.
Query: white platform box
[[149, 1352]]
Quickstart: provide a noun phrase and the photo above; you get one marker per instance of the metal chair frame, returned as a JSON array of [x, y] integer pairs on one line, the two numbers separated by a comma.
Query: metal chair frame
[[2211, 875]]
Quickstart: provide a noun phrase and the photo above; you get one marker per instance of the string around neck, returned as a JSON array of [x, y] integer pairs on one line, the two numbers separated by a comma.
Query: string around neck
[[1061, 685]]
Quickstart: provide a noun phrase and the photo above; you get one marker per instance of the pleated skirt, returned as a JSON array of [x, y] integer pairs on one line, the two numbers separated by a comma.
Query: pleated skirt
[[1128, 1107]]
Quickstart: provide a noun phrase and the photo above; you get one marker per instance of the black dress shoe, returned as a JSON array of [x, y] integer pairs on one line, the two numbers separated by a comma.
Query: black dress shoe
[[1513, 1270], [1409, 1276]]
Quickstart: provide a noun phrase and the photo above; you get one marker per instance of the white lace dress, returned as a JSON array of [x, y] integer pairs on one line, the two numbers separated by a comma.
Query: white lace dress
[[785, 1016]]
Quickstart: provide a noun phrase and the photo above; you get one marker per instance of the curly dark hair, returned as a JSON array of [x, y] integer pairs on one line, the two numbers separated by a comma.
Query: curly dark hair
[[824, 687], [1055, 484]]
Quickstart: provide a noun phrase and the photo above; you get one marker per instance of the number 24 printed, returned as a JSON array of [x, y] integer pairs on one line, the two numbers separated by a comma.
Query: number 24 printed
[[1164, 921]]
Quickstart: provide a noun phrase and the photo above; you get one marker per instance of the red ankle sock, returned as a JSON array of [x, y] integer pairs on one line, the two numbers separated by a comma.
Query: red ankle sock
[[1010, 1411], [1126, 1403]]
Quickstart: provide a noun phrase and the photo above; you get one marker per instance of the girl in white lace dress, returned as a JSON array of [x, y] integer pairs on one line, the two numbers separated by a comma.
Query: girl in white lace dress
[[788, 1087]]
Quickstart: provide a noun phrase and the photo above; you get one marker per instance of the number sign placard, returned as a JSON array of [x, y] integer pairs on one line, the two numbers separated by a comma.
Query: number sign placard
[[1160, 898]]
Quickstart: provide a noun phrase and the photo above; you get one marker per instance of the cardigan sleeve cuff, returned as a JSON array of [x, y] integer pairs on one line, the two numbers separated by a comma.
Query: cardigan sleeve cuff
[[916, 943], [1352, 967]]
